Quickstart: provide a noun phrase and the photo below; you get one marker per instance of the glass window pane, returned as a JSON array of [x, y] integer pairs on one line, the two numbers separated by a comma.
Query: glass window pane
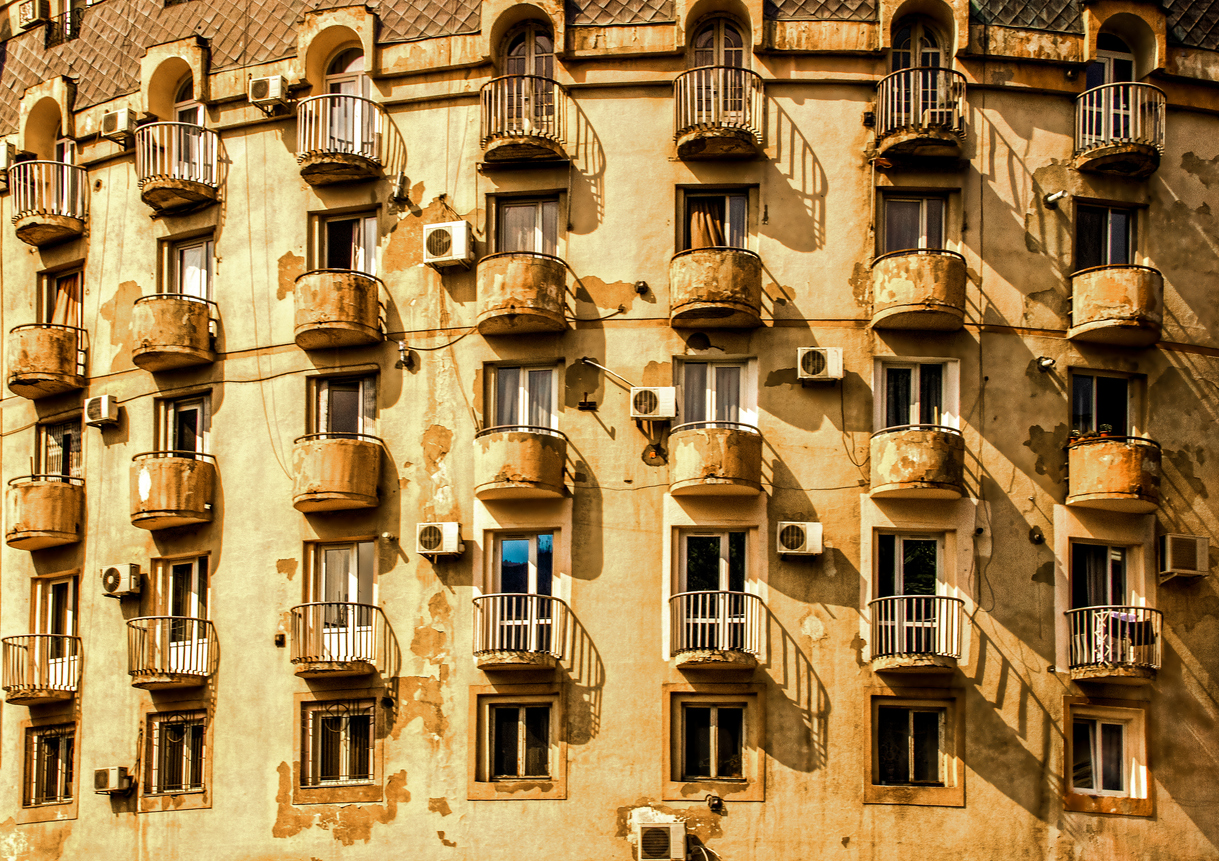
[[1090, 244], [540, 398], [330, 765], [192, 271], [893, 745], [504, 741], [340, 243], [186, 428], [727, 393], [1119, 237], [931, 394], [336, 567], [901, 224], [926, 747], [550, 227], [514, 565], [1082, 419], [359, 747], [897, 396], [201, 564], [697, 747], [736, 561], [935, 223], [545, 563], [537, 741], [1112, 402], [702, 563], [705, 222], [1082, 745], [1112, 756], [507, 395], [694, 388], [1117, 575], [343, 409], [518, 227], [886, 566], [364, 572], [737, 209], [1088, 586], [918, 566], [730, 732]]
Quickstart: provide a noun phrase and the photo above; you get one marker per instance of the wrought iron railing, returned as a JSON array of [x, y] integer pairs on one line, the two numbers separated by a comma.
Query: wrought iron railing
[[340, 124], [1115, 636], [341, 632], [518, 622], [171, 645], [944, 429], [48, 188], [720, 621], [919, 99], [719, 97], [1132, 441], [182, 151], [523, 106], [536, 429], [185, 454], [41, 663], [916, 625], [64, 27], [1124, 113], [723, 425]]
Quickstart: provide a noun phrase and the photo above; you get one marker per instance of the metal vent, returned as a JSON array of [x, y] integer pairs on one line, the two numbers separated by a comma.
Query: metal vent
[[792, 537], [111, 579], [1184, 552], [813, 363], [101, 778], [646, 401], [431, 538], [439, 243], [654, 843], [260, 88]]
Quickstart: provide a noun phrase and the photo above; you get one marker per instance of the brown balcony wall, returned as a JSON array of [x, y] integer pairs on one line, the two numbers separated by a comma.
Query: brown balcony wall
[[44, 360], [1114, 474], [918, 462], [1118, 305], [920, 290], [715, 459], [40, 668], [519, 462], [334, 472], [524, 118], [44, 511], [171, 489], [340, 138], [520, 292], [177, 166], [717, 288], [337, 308], [170, 652], [171, 331]]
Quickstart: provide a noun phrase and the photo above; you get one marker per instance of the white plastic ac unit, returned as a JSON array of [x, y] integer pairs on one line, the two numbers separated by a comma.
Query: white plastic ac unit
[[113, 779], [118, 125], [8, 156], [121, 580], [268, 91], [439, 539], [101, 411], [819, 363], [654, 403], [799, 539], [449, 243], [665, 841], [31, 13], [1184, 556]]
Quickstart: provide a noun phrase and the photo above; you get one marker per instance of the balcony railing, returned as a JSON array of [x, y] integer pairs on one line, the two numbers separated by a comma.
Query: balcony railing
[[718, 97], [523, 106], [341, 633], [48, 188], [64, 27], [916, 625], [338, 124], [516, 622], [161, 646], [923, 99], [716, 621], [179, 151], [41, 666], [1115, 637], [1116, 114]]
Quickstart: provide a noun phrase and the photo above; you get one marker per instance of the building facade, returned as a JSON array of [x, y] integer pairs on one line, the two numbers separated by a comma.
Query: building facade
[[657, 429]]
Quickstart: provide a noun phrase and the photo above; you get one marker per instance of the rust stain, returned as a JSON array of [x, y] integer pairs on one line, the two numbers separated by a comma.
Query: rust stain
[[449, 843], [346, 822], [26, 844], [422, 697], [286, 567], [290, 267], [439, 805]]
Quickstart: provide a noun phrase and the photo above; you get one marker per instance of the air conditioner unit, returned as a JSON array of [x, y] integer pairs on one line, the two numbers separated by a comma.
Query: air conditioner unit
[[101, 411], [1184, 556], [819, 363], [268, 91], [439, 539], [118, 125], [8, 156], [665, 841], [120, 580], [31, 13], [654, 403], [799, 539], [114, 779], [449, 243]]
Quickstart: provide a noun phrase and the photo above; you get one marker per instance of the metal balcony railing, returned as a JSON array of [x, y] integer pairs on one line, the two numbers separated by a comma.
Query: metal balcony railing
[[41, 663], [340, 632], [925, 98], [171, 645], [48, 188], [182, 151], [916, 625], [64, 27], [336, 124], [740, 427], [944, 429], [523, 106], [1125, 113], [518, 622], [718, 97], [719, 621], [534, 429], [1115, 636]]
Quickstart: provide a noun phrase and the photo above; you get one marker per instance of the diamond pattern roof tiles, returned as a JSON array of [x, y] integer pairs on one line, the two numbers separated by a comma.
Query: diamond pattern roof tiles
[[599, 13], [822, 10]]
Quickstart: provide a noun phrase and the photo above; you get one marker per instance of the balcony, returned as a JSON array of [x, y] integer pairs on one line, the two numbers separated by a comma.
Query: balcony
[[920, 113], [524, 118], [337, 308], [521, 292], [172, 488], [40, 668], [50, 201], [916, 633], [1119, 645], [918, 462], [715, 288], [719, 113], [919, 289], [44, 511], [1118, 305], [335, 471], [337, 638], [715, 630], [45, 359], [340, 139], [177, 167], [715, 459], [1114, 473], [171, 652], [519, 462], [172, 330], [515, 631], [1119, 129]]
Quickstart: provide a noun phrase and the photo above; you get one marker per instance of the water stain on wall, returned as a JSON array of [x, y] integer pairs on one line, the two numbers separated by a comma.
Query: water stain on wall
[[1048, 446], [291, 267], [346, 822], [117, 312]]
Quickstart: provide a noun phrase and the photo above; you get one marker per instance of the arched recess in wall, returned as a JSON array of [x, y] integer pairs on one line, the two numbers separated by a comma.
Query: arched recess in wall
[[165, 69], [322, 36], [918, 20], [503, 20], [708, 22], [43, 129], [166, 86], [1122, 38]]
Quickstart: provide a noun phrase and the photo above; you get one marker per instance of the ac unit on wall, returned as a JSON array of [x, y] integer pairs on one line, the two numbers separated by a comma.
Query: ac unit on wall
[[101, 411], [799, 539], [1184, 556], [664, 841], [121, 580], [118, 125], [654, 403], [819, 363], [112, 779], [449, 243], [31, 13], [268, 91], [8, 154], [439, 539]]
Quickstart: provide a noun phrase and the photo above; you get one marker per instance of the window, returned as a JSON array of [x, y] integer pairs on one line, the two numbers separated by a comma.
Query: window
[[60, 300], [917, 743], [341, 625], [58, 451], [518, 737], [1100, 404], [175, 753], [1106, 757], [344, 406], [912, 223], [1098, 756], [520, 742], [189, 267], [337, 743], [349, 242], [908, 571], [530, 52], [716, 220], [528, 225], [915, 45], [1098, 575], [713, 742], [909, 746], [907, 564], [1104, 236], [525, 397], [351, 124], [183, 594], [713, 562], [185, 425], [345, 74], [714, 736], [1114, 63], [186, 108], [49, 765], [55, 613], [718, 392], [914, 393]]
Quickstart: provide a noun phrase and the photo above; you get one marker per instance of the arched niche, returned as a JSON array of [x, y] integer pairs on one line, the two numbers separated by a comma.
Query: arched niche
[[502, 17], [745, 15], [163, 69], [1140, 26], [948, 18], [46, 115], [323, 34]]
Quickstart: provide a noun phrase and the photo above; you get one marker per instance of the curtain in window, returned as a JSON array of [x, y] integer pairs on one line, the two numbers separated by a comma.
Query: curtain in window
[[66, 309], [1089, 575], [727, 394], [705, 222], [539, 397]]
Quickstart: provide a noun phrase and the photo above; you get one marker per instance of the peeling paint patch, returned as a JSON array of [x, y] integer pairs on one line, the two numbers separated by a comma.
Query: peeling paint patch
[[448, 843], [291, 266], [286, 567], [439, 805], [1048, 446], [1207, 170], [813, 628], [346, 822], [422, 697]]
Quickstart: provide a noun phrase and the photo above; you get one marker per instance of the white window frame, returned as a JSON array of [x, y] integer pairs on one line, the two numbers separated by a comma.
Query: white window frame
[[312, 739], [492, 741], [44, 590], [950, 398], [1131, 395], [685, 771], [532, 538], [923, 200], [319, 416], [747, 408], [188, 722], [898, 572], [541, 244], [366, 241], [175, 280], [316, 585], [740, 197], [1134, 754], [723, 534], [170, 408], [187, 109], [523, 391]]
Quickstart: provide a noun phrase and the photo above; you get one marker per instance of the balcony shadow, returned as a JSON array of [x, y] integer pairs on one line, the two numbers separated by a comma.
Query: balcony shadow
[[797, 719], [585, 676], [795, 185], [587, 184]]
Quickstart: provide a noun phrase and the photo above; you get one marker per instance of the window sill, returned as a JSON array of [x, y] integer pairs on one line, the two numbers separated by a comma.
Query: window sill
[[729, 790], [48, 812], [915, 795], [363, 793], [518, 790], [1113, 805], [195, 799]]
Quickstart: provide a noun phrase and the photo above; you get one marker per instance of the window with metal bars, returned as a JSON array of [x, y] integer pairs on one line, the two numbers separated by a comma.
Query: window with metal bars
[[175, 754], [337, 743], [49, 760], [59, 449]]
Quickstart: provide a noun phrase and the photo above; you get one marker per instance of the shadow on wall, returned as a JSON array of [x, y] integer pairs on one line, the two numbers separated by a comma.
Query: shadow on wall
[[798, 720], [585, 676], [794, 189], [587, 183]]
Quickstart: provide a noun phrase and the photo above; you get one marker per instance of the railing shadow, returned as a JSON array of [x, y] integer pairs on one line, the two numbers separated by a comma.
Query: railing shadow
[[585, 676], [797, 723]]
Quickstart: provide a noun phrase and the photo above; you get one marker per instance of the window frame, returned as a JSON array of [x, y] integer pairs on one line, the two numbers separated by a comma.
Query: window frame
[[34, 770], [171, 281], [45, 435], [1134, 400], [1131, 237], [315, 581], [747, 390], [950, 393], [1127, 553], [483, 785], [167, 416], [1137, 798], [520, 740], [523, 392], [540, 239], [367, 236], [688, 774], [369, 791], [897, 194], [48, 295], [318, 408], [42, 593], [154, 748], [314, 735], [949, 700], [941, 713], [751, 786], [724, 534], [533, 571], [902, 535], [746, 194]]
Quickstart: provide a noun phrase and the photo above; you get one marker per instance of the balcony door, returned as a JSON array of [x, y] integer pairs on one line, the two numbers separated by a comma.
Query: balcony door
[[56, 614], [712, 576], [186, 158], [907, 567], [526, 398], [344, 407], [185, 600], [922, 97], [186, 426], [719, 90], [193, 268], [351, 243], [1108, 113], [530, 226], [61, 299], [59, 450], [344, 578], [529, 61], [525, 570], [68, 191], [712, 393], [351, 121], [1113, 632]]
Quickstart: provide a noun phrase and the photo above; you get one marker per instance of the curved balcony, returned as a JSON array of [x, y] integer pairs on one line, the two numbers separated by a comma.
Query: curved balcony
[[337, 308], [339, 638], [171, 652], [172, 488], [521, 292], [918, 462], [44, 511], [516, 631], [40, 668], [176, 165], [340, 139], [1120, 645], [50, 201], [519, 462], [45, 359], [172, 330], [1118, 305], [715, 288], [715, 630], [1119, 129], [920, 113], [335, 471], [916, 632], [1114, 473], [524, 118], [920, 289], [719, 113], [715, 459]]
